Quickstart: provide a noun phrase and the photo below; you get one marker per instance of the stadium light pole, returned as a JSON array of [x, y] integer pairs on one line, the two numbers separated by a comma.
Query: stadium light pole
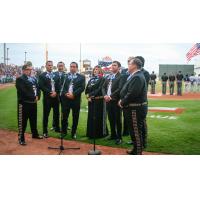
[[7, 57], [4, 53], [25, 57]]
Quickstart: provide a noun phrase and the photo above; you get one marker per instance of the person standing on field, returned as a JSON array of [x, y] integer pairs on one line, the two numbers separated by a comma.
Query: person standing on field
[[28, 93]]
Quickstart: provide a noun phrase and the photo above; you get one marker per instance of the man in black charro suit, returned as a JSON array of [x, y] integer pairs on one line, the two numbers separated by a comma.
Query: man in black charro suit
[[28, 94], [71, 90], [110, 90], [50, 86], [59, 76], [133, 96]]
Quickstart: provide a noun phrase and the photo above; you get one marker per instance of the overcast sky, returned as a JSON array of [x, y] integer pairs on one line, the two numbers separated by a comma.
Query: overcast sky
[[154, 54]]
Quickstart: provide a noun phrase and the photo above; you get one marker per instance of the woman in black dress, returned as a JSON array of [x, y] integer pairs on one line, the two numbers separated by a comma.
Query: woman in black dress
[[96, 122]]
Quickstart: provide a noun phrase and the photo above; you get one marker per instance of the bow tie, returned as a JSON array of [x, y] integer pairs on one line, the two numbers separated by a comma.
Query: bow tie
[[50, 75], [31, 79], [111, 77], [72, 76], [94, 79]]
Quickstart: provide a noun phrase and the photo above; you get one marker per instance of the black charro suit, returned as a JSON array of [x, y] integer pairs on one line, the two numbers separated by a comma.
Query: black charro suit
[[48, 101], [113, 110], [59, 76], [124, 76], [27, 90], [78, 87], [96, 121], [134, 96], [144, 126], [146, 76]]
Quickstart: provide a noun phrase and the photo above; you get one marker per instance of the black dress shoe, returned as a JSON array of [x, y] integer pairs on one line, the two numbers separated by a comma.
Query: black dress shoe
[[118, 142], [23, 143], [131, 152], [45, 135], [37, 137]]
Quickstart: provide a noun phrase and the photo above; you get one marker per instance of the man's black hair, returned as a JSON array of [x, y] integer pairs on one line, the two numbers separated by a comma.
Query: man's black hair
[[74, 63], [117, 62], [24, 67], [49, 61], [61, 62]]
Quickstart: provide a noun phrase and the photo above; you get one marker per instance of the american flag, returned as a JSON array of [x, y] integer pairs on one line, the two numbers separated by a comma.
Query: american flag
[[194, 51]]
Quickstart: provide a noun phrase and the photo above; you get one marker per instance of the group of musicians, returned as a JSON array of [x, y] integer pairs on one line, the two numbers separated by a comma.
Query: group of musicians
[[108, 96]]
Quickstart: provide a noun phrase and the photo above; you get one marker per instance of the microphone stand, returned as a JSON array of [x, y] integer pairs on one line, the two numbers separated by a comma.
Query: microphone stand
[[94, 151], [61, 147]]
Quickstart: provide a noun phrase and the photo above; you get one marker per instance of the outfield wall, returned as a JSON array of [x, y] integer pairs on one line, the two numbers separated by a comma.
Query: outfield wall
[[175, 68]]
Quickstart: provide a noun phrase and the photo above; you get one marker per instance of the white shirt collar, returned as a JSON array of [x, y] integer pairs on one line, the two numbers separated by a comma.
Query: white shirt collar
[[135, 72], [73, 73], [115, 73]]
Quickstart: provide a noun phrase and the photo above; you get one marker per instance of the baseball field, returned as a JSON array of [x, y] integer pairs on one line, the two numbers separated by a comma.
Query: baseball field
[[168, 132]]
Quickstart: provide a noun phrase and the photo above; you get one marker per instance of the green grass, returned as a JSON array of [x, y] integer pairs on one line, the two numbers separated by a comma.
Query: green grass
[[177, 136]]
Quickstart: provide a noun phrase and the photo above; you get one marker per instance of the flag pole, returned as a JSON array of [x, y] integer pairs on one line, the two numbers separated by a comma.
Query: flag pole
[[46, 52]]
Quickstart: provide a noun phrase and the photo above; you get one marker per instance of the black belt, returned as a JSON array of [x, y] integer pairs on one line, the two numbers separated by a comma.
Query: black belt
[[95, 98], [137, 104], [100, 97], [31, 102]]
